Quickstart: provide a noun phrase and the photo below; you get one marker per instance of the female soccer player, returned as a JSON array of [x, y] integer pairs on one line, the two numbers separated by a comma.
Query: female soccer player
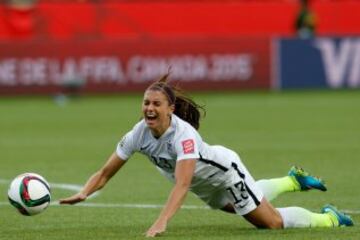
[[168, 135]]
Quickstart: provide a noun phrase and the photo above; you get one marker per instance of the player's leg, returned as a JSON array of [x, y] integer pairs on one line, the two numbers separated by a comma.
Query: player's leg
[[266, 216], [297, 217], [297, 180], [245, 198]]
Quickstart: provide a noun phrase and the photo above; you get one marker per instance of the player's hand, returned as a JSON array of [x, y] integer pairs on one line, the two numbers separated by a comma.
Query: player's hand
[[79, 197], [156, 229]]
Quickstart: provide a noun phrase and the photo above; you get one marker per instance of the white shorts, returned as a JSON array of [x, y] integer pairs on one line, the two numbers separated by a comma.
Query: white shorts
[[237, 187]]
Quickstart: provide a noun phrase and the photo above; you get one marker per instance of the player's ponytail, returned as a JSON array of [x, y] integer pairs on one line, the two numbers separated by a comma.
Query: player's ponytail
[[185, 107]]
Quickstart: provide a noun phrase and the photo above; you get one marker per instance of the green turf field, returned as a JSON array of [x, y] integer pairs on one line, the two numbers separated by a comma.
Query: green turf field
[[319, 130]]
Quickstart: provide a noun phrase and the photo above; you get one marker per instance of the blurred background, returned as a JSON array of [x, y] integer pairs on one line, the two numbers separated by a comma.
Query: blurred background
[[87, 46], [279, 79]]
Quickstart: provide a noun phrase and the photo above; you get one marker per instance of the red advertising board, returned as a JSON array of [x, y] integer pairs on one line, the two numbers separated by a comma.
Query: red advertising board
[[128, 65]]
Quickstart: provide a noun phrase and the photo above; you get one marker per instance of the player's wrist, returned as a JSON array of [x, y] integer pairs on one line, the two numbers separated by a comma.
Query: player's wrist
[[83, 196]]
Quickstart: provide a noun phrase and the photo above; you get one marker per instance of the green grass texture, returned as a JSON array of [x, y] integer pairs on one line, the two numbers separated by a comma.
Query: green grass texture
[[67, 140]]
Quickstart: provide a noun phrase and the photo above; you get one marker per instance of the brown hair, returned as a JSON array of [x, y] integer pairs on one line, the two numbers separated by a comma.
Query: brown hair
[[185, 107]]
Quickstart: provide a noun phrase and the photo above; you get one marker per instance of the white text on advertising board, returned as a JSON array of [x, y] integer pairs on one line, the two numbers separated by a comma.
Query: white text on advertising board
[[341, 61], [137, 69]]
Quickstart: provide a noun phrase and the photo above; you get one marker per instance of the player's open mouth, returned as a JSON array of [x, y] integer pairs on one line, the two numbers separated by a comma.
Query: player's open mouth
[[149, 117]]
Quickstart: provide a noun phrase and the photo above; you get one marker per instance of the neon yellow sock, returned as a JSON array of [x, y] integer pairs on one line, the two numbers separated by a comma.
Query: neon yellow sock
[[297, 217], [275, 186], [324, 220]]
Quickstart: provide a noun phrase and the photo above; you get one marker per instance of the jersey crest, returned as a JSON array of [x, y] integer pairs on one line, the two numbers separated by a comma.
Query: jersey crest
[[188, 146]]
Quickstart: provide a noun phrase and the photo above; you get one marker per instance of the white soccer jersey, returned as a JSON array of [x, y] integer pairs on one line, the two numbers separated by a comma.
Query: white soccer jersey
[[179, 143]]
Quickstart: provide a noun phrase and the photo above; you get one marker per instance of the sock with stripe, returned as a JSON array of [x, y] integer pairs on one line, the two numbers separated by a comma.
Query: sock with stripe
[[272, 188], [297, 217]]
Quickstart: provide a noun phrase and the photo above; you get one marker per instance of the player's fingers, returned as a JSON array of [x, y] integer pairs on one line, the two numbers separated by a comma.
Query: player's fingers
[[151, 233], [71, 200], [65, 201], [79, 197]]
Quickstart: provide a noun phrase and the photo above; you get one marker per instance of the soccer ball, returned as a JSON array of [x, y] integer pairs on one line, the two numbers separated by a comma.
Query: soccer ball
[[29, 193]]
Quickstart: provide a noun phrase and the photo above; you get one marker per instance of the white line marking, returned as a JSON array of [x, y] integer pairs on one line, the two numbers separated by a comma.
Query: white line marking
[[149, 206], [129, 205], [76, 188], [72, 187], [65, 186], [3, 181], [348, 211], [117, 205]]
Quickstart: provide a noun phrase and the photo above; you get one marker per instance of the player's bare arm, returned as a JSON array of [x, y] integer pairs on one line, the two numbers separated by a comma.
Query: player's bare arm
[[97, 180], [184, 172]]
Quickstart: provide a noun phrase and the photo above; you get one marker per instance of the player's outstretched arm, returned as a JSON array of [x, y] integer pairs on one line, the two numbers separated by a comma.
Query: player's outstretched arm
[[183, 175], [97, 180]]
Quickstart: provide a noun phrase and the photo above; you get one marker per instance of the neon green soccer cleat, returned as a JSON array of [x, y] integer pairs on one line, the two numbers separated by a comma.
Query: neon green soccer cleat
[[343, 219], [305, 180]]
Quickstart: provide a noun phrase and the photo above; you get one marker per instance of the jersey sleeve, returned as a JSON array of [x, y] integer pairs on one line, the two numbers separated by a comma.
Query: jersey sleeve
[[187, 147], [126, 147]]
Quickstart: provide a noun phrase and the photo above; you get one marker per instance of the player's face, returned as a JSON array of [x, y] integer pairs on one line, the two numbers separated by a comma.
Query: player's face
[[156, 111]]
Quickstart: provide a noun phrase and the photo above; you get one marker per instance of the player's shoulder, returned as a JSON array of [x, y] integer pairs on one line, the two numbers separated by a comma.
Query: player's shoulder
[[182, 124], [139, 128], [139, 125], [184, 128]]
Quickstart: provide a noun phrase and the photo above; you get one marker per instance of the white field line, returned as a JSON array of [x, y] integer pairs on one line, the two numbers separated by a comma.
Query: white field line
[[76, 188], [130, 205], [150, 206], [65, 186], [118, 205], [72, 187]]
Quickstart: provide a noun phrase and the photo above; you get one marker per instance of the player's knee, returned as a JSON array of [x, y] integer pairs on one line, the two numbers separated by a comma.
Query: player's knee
[[229, 208], [275, 223]]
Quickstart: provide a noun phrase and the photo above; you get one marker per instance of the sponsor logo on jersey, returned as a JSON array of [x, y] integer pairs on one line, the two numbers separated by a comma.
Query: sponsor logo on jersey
[[169, 146], [188, 146], [143, 148], [122, 141]]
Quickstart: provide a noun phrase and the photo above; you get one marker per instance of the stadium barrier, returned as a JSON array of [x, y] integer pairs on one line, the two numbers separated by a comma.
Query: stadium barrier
[[118, 66], [178, 18], [319, 63], [198, 64]]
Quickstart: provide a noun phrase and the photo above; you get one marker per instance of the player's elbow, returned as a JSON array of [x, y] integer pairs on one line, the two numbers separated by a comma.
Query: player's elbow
[[184, 184], [102, 179]]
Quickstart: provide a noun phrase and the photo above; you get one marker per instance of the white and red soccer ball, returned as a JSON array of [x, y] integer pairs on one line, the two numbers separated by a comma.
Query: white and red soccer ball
[[29, 193]]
